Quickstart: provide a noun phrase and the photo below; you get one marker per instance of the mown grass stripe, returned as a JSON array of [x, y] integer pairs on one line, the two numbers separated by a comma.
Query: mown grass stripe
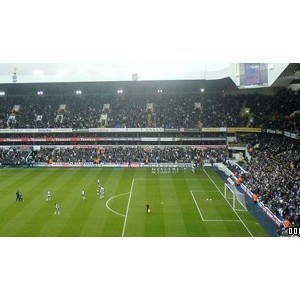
[[101, 222], [177, 216], [108, 223], [154, 222], [193, 224], [16, 214]]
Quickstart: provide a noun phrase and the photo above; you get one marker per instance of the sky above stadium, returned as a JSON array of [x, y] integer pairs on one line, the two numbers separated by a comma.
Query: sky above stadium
[[72, 72]]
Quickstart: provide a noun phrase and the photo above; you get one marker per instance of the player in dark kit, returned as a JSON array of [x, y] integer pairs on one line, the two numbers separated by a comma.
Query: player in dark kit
[[17, 195], [147, 207]]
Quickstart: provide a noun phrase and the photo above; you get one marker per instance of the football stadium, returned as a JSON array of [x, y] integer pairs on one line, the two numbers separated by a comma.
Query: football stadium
[[206, 153], [149, 149]]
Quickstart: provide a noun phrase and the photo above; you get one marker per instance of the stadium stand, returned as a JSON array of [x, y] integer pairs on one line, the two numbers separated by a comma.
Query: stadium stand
[[273, 174], [112, 154], [130, 111]]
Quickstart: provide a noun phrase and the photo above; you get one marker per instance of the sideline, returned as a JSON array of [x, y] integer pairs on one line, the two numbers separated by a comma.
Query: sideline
[[228, 202]]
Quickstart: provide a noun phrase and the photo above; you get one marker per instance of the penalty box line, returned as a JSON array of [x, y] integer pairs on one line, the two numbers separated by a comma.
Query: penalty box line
[[200, 213], [228, 203]]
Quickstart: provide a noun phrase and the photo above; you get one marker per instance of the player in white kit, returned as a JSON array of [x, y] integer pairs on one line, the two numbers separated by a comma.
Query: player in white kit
[[83, 195], [57, 209], [102, 192], [48, 197]]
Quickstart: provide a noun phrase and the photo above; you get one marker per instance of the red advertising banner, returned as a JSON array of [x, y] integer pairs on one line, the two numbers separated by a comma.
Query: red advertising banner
[[71, 139]]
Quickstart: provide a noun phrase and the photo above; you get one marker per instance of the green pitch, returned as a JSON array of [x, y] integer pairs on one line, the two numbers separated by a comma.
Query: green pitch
[[183, 204]]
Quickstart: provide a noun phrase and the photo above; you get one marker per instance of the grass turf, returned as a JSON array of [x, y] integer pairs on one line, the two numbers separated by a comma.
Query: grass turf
[[178, 203]]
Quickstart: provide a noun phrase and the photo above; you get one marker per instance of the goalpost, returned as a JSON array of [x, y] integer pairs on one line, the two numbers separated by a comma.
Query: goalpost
[[235, 198]]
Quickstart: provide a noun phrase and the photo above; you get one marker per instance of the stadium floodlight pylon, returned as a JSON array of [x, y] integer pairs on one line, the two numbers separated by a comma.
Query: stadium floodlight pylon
[[235, 198]]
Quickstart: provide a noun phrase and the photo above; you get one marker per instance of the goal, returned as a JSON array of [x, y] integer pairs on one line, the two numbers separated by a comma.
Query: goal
[[235, 198]]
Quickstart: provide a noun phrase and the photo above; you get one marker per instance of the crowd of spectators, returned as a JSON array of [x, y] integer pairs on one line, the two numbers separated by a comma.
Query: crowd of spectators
[[276, 112], [161, 110], [139, 154], [273, 174], [116, 155], [13, 157]]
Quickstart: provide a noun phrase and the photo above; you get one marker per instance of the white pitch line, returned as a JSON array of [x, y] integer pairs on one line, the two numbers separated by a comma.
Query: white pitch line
[[228, 202], [127, 207], [119, 195], [222, 220], [197, 206], [168, 179], [200, 191]]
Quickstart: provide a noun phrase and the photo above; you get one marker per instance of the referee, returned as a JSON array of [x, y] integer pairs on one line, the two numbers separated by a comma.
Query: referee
[[147, 207]]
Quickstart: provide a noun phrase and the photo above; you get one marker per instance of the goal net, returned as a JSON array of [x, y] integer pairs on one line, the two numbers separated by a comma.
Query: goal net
[[235, 198]]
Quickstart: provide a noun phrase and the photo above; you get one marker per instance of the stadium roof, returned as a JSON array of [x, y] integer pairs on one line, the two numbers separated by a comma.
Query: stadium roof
[[291, 75], [131, 87]]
